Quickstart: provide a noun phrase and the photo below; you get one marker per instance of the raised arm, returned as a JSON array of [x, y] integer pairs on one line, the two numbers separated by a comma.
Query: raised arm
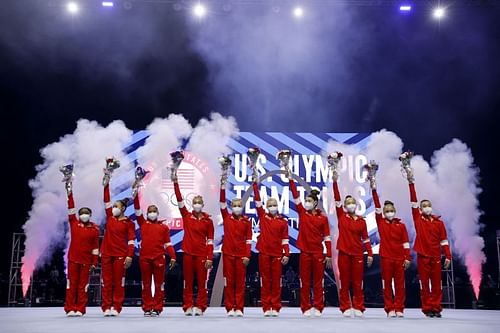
[[138, 212], [338, 201], [378, 206], [107, 201], [414, 202], [71, 209], [222, 202], [296, 198], [180, 200], [258, 202]]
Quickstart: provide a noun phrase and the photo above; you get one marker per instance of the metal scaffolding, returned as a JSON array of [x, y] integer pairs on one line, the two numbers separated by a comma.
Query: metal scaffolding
[[448, 287], [16, 297]]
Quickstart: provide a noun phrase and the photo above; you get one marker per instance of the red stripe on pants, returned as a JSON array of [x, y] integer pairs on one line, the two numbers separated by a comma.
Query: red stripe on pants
[[429, 270], [194, 267], [76, 290], [155, 269], [393, 269], [351, 274], [113, 280], [270, 292], [311, 263], [234, 287]]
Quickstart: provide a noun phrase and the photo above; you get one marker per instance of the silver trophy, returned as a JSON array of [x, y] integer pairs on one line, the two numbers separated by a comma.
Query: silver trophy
[[333, 163], [177, 157], [253, 156], [140, 173], [371, 169], [111, 165], [406, 168], [225, 164], [284, 156], [67, 171]]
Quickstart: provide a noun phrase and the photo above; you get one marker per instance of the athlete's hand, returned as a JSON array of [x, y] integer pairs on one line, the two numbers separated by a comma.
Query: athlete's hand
[[127, 262], [172, 264], [406, 264], [209, 264], [447, 264], [369, 261], [246, 261], [328, 262], [284, 260]]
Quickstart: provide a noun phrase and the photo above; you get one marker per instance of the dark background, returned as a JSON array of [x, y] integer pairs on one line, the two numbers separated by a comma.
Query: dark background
[[427, 81]]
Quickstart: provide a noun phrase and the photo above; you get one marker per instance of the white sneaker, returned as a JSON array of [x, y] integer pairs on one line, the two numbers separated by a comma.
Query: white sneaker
[[107, 313], [307, 313], [400, 314], [238, 313], [71, 314], [274, 313], [78, 314], [358, 313], [188, 312], [231, 313], [316, 312], [114, 313], [268, 313], [347, 313], [197, 311], [391, 314]]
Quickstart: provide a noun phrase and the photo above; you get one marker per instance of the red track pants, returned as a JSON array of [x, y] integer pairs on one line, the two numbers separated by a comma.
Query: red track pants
[[153, 268], [113, 282], [311, 264], [194, 267], [234, 282], [351, 274], [76, 287], [393, 270], [270, 271], [429, 270]]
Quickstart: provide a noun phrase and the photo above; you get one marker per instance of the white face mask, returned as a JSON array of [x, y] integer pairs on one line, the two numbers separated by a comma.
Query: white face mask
[[197, 207], [351, 208], [427, 210], [237, 210], [389, 215], [84, 217], [273, 209], [153, 216], [309, 205], [116, 211]]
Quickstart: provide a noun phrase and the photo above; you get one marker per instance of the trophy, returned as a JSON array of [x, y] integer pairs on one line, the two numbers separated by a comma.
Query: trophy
[[225, 163], [371, 168], [284, 157], [111, 165], [177, 157], [253, 156], [140, 173], [67, 171], [333, 162], [406, 169]]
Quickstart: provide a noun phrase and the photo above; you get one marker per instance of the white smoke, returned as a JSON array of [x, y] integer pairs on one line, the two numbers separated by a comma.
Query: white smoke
[[451, 182]]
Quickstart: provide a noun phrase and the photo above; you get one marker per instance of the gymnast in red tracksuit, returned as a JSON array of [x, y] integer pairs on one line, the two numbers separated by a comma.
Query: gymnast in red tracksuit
[[313, 231], [198, 247], [431, 237], [274, 252], [155, 240], [236, 248], [117, 251], [353, 235], [82, 257], [394, 255]]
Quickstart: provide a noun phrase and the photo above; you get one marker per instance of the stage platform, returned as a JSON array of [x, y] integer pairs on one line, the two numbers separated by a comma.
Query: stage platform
[[53, 320]]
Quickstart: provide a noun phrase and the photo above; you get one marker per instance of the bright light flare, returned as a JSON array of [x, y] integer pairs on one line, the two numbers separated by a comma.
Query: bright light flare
[[298, 12], [199, 10], [438, 13], [72, 7]]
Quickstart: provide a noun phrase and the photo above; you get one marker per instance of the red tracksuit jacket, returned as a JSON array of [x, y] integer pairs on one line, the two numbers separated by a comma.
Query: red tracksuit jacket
[[313, 228], [237, 231], [198, 232], [394, 243], [84, 245], [273, 238], [353, 233], [155, 235], [119, 235], [431, 232]]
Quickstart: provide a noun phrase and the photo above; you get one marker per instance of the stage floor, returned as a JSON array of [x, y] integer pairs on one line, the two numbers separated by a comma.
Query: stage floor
[[37, 320]]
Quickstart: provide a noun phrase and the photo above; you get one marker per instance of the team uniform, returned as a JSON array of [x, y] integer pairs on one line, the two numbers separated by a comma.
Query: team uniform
[[394, 250], [82, 255], [431, 237], [198, 247], [155, 240], [118, 243], [272, 245], [236, 246], [313, 231], [353, 236]]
